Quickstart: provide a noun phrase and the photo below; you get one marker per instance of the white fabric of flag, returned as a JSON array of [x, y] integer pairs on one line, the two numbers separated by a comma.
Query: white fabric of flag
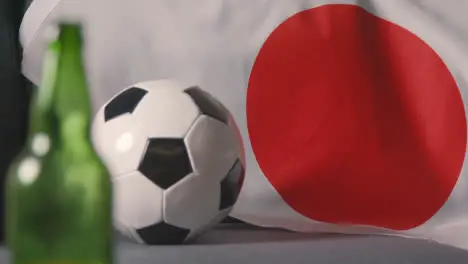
[[352, 112]]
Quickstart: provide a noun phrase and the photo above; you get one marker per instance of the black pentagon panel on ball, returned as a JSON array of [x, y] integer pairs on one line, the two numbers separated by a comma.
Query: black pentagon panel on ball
[[125, 102], [231, 185], [207, 104], [165, 161], [163, 234]]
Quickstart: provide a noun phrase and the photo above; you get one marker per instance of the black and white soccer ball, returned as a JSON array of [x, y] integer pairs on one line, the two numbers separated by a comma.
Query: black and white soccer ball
[[176, 160]]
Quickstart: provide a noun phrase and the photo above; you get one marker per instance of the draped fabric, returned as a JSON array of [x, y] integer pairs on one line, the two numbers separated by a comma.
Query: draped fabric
[[352, 112]]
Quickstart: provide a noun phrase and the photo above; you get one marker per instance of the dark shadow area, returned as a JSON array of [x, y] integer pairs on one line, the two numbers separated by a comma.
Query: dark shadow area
[[14, 91]]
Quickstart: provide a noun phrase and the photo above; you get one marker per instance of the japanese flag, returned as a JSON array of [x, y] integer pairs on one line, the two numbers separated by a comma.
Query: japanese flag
[[352, 112]]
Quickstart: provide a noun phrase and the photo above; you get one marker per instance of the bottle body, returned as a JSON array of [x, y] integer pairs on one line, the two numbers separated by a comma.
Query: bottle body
[[59, 218], [59, 193]]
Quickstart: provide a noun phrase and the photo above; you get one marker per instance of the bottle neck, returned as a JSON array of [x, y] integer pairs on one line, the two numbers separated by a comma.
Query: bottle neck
[[41, 120], [41, 116], [61, 107], [71, 102], [41, 131]]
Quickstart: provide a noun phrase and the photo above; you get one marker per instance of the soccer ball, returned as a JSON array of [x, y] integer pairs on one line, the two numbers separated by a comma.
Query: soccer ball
[[176, 160]]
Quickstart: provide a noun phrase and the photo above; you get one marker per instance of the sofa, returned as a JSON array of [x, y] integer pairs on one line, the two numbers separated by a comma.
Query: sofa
[[244, 244]]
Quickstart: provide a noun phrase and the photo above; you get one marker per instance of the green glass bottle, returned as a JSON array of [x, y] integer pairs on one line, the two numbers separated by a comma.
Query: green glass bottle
[[58, 189]]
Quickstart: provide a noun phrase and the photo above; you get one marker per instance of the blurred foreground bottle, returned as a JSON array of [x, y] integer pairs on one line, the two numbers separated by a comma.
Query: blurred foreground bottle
[[58, 190]]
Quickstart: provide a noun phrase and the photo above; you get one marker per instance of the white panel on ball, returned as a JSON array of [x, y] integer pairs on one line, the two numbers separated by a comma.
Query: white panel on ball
[[127, 231], [220, 216], [137, 201], [166, 112], [240, 147], [121, 143], [212, 147], [192, 202], [166, 83]]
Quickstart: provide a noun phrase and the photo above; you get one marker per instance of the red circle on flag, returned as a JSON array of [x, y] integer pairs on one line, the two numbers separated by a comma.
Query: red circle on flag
[[355, 120]]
